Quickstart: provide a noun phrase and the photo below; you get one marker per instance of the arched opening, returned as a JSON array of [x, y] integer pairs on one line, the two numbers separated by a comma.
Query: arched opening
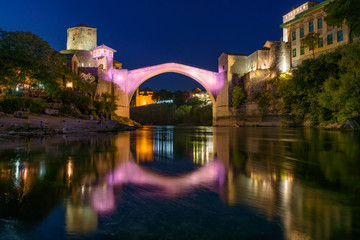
[[171, 98]]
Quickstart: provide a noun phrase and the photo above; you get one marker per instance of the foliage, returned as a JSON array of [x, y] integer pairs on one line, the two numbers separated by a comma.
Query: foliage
[[323, 90], [163, 94], [343, 11], [179, 98], [311, 41], [238, 96], [12, 104], [26, 58], [194, 112], [105, 103]]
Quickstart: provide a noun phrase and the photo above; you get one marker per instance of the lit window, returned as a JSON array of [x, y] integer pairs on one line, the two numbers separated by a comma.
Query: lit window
[[89, 31], [329, 39], [302, 32], [321, 42], [294, 52], [302, 51], [77, 31], [294, 35], [340, 36], [311, 26], [320, 23]]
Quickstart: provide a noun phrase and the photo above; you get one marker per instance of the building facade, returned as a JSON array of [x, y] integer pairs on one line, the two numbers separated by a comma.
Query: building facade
[[144, 97], [308, 18], [87, 59]]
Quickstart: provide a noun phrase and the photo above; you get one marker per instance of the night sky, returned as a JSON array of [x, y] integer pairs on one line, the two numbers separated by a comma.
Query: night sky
[[145, 33]]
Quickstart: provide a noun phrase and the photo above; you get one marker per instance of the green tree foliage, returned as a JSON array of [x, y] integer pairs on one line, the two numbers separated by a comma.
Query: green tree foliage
[[163, 94], [343, 11], [325, 89], [238, 96], [26, 57], [194, 112], [311, 41], [179, 98]]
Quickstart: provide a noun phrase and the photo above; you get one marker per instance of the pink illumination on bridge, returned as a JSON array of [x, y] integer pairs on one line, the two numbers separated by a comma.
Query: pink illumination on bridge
[[129, 172], [129, 81]]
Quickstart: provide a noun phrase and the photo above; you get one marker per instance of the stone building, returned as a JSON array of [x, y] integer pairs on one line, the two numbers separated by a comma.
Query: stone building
[[84, 57], [144, 97], [307, 18]]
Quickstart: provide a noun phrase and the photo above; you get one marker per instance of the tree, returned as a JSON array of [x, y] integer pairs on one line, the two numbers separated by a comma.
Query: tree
[[179, 98], [238, 96], [26, 58], [343, 11], [311, 40]]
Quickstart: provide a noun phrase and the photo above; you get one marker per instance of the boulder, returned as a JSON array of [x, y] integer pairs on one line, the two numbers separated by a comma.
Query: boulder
[[21, 114], [57, 106], [50, 111], [350, 125]]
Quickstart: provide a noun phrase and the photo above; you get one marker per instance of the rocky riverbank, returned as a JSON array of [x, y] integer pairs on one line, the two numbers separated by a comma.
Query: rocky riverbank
[[38, 125]]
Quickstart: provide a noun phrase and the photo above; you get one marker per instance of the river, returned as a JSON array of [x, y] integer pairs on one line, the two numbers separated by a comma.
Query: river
[[168, 182]]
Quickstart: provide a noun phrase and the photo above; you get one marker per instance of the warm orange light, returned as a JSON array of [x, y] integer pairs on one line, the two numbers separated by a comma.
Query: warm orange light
[[69, 84]]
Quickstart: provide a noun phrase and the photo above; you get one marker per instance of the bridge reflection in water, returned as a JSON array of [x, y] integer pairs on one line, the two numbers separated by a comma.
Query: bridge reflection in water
[[266, 170]]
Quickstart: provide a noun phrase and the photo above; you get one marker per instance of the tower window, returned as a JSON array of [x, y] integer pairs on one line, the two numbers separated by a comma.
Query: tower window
[[340, 36], [320, 23], [89, 31], [330, 39], [77, 31], [311, 26], [302, 32]]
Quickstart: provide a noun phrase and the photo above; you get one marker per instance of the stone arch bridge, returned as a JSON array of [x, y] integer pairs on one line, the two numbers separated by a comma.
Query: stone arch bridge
[[123, 84]]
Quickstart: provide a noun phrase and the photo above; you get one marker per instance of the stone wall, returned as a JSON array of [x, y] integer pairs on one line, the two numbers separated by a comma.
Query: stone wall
[[81, 38]]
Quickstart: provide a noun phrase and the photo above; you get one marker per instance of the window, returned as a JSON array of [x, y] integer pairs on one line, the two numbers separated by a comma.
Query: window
[[302, 51], [340, 36], [320, 23], [89, 31], [77, 31], [302, 33], [329, 39], [311, 26], [294, 35], [294, 52], [321, 42]]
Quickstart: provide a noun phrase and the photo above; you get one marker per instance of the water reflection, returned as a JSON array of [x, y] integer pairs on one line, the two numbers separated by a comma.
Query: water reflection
[[307, 178]]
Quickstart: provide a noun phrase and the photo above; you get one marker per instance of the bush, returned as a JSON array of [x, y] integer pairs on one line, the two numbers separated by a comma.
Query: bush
[[238, 97], [13, 104]]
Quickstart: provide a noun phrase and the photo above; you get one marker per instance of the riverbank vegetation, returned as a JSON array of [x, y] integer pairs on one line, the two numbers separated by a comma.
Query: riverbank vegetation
[[193, 112], [324, 90], [34, 77]]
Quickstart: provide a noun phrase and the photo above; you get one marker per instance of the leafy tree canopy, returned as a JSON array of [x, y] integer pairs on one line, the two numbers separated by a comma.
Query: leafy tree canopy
[[25, 57], [343, 11]]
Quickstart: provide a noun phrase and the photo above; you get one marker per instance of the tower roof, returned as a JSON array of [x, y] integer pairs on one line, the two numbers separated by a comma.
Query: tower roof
[[82, 25], [103, 46]]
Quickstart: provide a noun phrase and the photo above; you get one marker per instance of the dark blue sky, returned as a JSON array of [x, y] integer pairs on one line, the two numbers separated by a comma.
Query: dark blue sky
[[150, 32]]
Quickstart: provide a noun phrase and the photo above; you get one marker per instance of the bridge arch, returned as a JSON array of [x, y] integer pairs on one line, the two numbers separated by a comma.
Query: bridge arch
[[205, 78]]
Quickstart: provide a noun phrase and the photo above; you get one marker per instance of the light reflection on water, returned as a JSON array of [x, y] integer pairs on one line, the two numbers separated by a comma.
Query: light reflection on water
[[296, 183]]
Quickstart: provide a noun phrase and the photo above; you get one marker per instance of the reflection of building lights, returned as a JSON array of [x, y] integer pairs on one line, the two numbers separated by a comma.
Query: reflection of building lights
[[69, 167]]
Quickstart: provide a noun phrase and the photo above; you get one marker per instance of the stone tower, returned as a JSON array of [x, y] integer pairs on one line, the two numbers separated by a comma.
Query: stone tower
[[81, 37]]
